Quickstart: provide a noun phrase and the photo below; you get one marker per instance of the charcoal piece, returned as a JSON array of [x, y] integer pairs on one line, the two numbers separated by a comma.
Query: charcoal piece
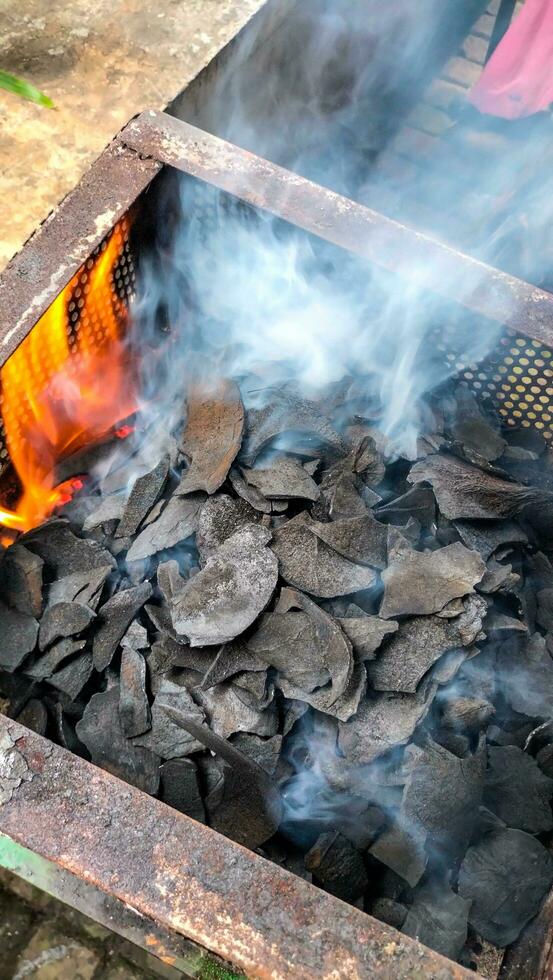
[[420, 641], [54, 657], [284, 479], [180, 788], [100, 731], [497, 622], [228, 594], [84, 587], [438, 918], [505, 875], [497, 578], [402, 850], [231, 659], [342, 493], [487, 536], [18, 636], [359, 539], [337, 866], [166, 654], [212, 436], [110, 508], [144, 494], [264, 751], [544, 614], [153, 514], [289, 642], [231, 709], [166, 738], [381, 723], [21, 580], [178, 521], [420, 583], [287, 415], [466, 714], [134, 710], [136, 637], [247, 806], [114, 618], [517, 791], [389, 911], [473, 430], [220, 517], [309, 564], [169, 580], [366, 633], [62, 620], [160, 617], [34, 716], [64, 552], [248, 493], [323, 700], [418, 502], [72, 678], [544, 758], [293, 711]]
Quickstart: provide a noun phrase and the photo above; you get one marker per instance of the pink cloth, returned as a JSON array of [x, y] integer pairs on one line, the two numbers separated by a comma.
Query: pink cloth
[[518, 79]]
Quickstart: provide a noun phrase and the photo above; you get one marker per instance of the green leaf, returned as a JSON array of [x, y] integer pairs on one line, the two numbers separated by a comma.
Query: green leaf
[[27, 91]]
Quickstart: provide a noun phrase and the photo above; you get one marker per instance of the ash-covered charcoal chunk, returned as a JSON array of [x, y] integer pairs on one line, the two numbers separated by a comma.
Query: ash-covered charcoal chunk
[[307, 563], [64, 552], [74, 676], [473, 430], [166, 738], [109, 509], [517, 791], [525, 672], [418, 503], [21, 574], [177, 522], [144, 494], [264, 751], [402, 849], [212, 436], [284, 479], [487, 536], [100, 731], [366, 633], [360, 539], [289, 642], [420, 583], [230, 659], [232, 709], [228, 594], [382, 722], [498, 622], [341, 496], [34, 716], [18, 636], [337, 866], [84, 587], [464, 714], [438, 918], [544, 614], [250, 494], [62, 620], [114, 618], [220, 517], [50, 661], [505, 876], [287, 415], [134, 709], [498, 578], [180, 788], [136, 637], [407, 655]]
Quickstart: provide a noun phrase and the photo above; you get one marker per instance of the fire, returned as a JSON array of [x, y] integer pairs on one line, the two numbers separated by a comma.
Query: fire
[[64, 388]]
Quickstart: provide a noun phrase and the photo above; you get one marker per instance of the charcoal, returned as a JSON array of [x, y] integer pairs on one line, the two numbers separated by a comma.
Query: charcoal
[[160, 617], [165, 654], [287, 415], [109, 509], [212, 436], [473, 430], [497, 622], [264, 751], [50, 661], [21, 580], [420, 583], [309, 564], [232, 709], [497, 578], [517, 791], [382, 722], [418, 502], [134, 710], [420, 642], [84, 587], [337, 866], [438, 918], [466, 714], [231, 659], [144, 494], [248, 493], [544, 615], [114, 618], [505, 875], [153, 514], [180, 788], [136, 637], [62, 620], [220, 517], [544, 758], [64, 552], [169, 580], [225, 598], [18, 636], [284, 479], [366, 633], [487, 536], [100, 731], [342, 494], [359, 539], [277, 641], [72, 678], [178, 521], [401, 849], [34, 716], [389, 911], [166, 738]]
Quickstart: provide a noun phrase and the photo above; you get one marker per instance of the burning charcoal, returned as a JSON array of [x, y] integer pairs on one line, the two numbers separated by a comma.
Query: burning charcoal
[[136, 637], [18, 636], [359, 539], [337, 866], [406, 657], [100, 731], [487, 536], [381, 722], [342, 494], [418, 503], [21, 580], [113, 620], [498, 578], [220, 517], [49, 662], [213, 435], [506, 876], [134, 710], [248, 493], [62, 620], [84, 587], [309, 564], [180, 788], [229, 593], [517, 791], [420, 583], [247, 807], [166, 738], [169, 580], [178, 521], [72, 678], [466, 714], [34, 716], [438, 918], [283, 479], [110, 508], [143, 496], [287, 415], [64, 552], [153, 514], [264, 751], [231, 659], [231, 709], [366, 633], [401, 849], [473, 430], [278, 640]]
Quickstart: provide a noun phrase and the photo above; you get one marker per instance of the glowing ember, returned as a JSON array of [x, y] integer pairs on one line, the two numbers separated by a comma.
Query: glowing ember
[[63, 387]]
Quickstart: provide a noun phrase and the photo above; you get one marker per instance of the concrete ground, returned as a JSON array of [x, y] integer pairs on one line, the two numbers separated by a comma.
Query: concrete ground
[[101, 63]]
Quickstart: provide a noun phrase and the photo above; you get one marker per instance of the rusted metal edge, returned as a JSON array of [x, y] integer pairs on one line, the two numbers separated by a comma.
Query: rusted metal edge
[[386, 243], [181, 878], [56, 250]]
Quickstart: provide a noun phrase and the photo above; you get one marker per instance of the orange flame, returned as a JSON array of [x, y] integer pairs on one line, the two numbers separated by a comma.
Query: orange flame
[[67, 384]]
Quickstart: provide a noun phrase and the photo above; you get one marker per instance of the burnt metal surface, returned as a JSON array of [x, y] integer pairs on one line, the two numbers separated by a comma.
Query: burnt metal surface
[[480, 288], [182, 878]]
